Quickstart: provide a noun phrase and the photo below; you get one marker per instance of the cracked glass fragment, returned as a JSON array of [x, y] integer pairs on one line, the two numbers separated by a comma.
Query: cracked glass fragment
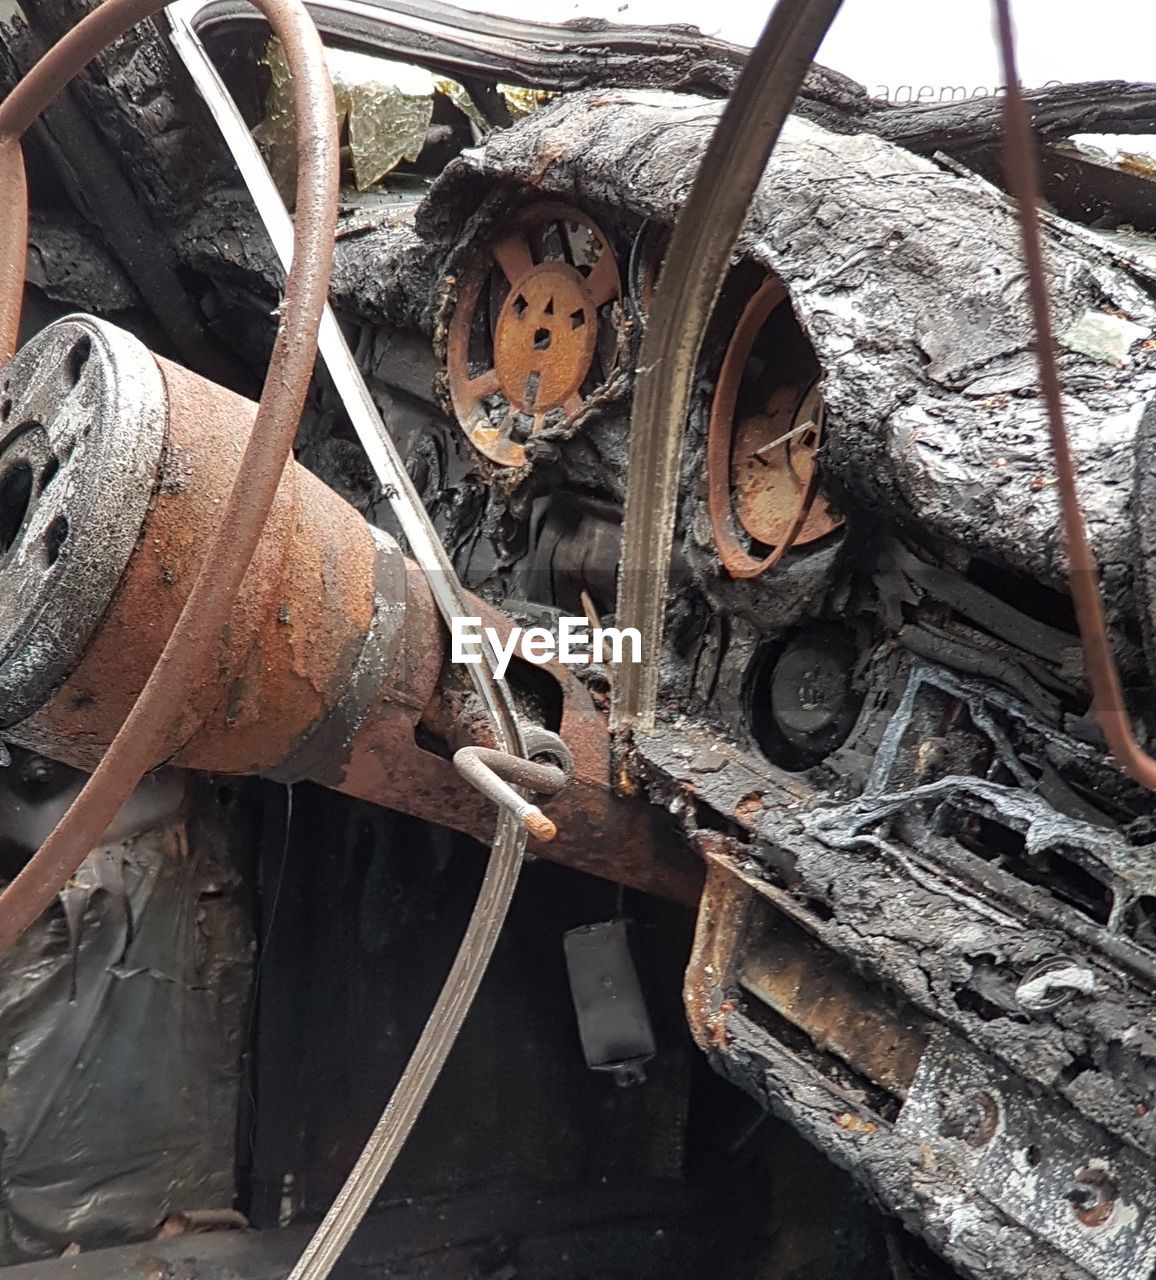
[[384, 110]]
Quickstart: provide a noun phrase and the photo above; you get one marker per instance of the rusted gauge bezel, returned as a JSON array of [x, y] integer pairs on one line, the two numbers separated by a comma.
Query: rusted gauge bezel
[[512, 257], [736, 558]]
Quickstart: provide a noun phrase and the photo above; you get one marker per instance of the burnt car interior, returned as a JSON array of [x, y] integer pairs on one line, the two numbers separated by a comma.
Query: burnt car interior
[[812, 937]]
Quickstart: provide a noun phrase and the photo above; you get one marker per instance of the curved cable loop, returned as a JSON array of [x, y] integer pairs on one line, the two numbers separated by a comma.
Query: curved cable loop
[[142, 739]]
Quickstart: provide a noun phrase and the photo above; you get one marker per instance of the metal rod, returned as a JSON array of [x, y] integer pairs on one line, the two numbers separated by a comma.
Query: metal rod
[[695, 268], [1023, 176], [492, 773], [497, 891]]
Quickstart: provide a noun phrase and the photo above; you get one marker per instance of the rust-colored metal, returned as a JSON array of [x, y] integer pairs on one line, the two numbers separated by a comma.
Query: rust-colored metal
[[773, 464], [323, 590], [973, 1119], [540, 351], [627, 841], [781, 508], [13, 242], [813, 990], [185, 653], [286, 648], [1094, 1196], [1022, 165], [710, 989], [544, 340], [745, 946]]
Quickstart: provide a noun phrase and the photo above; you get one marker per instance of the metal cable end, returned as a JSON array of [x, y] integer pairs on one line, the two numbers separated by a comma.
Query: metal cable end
[[495, 774], [538, 825]]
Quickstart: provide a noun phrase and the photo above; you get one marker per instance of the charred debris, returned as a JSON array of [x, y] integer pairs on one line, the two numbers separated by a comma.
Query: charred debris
[[876, 856]]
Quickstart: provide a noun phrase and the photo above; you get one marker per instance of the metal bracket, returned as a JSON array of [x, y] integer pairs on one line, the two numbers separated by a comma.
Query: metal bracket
[[1036, 1159]]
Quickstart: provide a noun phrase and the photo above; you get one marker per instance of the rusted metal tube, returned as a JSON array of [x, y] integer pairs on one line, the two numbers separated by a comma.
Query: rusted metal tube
[[13, 242], [333, 663], [139, 742]]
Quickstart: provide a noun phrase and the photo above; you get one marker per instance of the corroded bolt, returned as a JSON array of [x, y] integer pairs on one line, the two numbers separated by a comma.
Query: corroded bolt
[[973, 1118], [39, 770], [1092, 1195]]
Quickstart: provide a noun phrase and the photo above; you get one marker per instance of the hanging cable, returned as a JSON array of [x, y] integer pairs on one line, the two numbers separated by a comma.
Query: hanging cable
[[1023, 176]]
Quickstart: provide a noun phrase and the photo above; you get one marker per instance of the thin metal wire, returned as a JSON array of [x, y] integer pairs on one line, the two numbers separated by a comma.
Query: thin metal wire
[[1023, 176], [496, 893]]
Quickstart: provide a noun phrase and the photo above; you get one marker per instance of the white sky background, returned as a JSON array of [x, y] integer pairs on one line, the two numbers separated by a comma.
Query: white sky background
[[891, 43]]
